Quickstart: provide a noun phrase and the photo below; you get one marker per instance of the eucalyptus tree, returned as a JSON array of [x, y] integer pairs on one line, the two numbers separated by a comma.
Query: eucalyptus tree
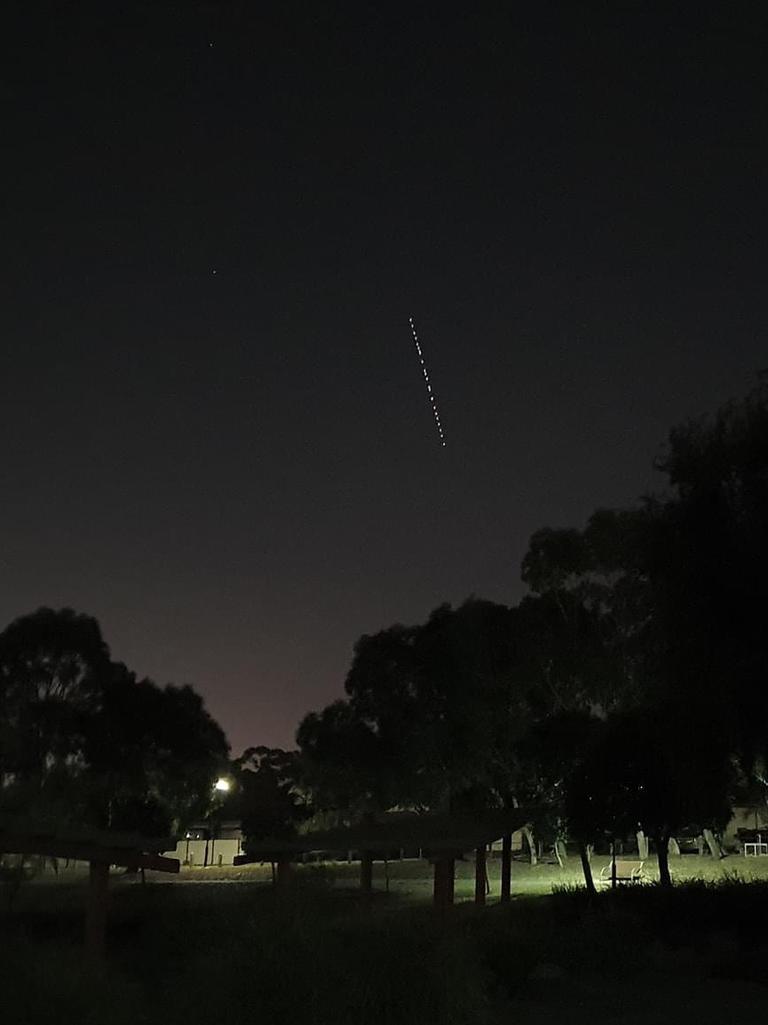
[[430, 716], [269, 797], [54, 666], [81, 739]]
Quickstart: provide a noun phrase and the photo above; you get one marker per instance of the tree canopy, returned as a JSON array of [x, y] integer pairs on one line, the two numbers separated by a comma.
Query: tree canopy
[[82, 739], [643, 628]]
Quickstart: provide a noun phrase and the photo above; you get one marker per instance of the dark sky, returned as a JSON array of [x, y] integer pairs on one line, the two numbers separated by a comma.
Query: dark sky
[[216, 222]]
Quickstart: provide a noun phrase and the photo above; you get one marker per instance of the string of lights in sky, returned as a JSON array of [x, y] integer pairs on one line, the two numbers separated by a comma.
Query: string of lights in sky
[[431, 394]]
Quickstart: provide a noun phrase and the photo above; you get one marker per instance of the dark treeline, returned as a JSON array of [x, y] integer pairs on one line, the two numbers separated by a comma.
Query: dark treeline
[[83, 741], [625, 692]]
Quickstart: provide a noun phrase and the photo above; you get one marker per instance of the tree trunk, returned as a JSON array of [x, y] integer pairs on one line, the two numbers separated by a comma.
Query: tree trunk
[[480, 875], [528, 834], [587, 870], [613, 864], [673, 847], [662, 854], [506, 868]]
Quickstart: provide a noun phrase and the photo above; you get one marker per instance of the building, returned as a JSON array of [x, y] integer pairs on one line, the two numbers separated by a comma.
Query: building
[[201, 846]]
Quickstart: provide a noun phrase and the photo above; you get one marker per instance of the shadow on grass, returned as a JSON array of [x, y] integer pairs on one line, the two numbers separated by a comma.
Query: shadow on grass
[[317, 954]]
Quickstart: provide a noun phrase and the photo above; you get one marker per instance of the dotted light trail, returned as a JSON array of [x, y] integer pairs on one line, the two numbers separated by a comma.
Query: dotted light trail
[[431, 394]]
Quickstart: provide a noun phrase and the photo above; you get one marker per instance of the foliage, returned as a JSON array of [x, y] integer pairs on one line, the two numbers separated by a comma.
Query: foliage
[[677, 585], [638, 774], [429, 719], [153, 754], [82, 740], [53, 668], [268, 798]]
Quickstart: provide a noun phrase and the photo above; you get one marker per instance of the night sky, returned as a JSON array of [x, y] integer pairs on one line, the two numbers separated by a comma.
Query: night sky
[[216, 223]]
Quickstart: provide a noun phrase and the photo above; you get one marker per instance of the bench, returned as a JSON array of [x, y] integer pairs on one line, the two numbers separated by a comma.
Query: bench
[[627, 872]]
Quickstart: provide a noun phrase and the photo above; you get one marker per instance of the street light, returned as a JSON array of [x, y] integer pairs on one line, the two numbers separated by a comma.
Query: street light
[[221, 786]]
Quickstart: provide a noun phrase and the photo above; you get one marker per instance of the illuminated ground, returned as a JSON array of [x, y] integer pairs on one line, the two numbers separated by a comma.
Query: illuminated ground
[[413, 879], [224, 945]]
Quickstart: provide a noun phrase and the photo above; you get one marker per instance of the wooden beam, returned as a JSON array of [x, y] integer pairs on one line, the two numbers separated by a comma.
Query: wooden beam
[[480, 875], [51, 847], [96, 911], [506, 868]]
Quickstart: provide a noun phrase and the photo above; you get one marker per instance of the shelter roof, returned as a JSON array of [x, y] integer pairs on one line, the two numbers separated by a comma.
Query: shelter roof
[[47, 837], [431, 833]]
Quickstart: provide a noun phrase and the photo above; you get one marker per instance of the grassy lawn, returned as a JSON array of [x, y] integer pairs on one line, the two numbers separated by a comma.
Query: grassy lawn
[[235, 951], [412, 880]]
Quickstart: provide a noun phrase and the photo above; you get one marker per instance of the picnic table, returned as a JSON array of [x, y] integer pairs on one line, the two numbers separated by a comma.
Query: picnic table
[[627, 873], [756, 848]]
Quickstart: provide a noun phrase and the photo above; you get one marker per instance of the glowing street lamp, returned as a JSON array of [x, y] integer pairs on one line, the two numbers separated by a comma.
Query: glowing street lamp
[[221, 786]]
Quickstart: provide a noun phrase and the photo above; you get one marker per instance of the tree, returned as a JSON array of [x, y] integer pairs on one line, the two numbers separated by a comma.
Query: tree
[[469, 711], [343, 762], [153, 755], [268, 794], [639, 773], [570, 668], [429, 718], [53, 669], [550, 756], [710, 567], [599, 580], [82, 740]]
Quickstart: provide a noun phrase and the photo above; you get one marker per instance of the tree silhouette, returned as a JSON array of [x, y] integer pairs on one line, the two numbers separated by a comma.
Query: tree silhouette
[[82, 740]]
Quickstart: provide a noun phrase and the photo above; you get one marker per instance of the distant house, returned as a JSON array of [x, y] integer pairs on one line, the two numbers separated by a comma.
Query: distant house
[[746, 824], [201, 846]]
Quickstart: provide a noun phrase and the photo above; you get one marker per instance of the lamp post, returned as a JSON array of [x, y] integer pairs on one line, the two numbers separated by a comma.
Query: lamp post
[[221, 786]]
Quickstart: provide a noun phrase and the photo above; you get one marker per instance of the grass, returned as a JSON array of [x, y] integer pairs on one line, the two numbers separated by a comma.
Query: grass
[[411, 880], [235, 951]]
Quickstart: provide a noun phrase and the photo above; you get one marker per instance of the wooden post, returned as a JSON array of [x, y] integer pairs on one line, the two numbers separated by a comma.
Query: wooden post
[[283, 874], [366, 871], [438, 891], [480, 874], [443, 890], [506, 868], [96, 911]]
